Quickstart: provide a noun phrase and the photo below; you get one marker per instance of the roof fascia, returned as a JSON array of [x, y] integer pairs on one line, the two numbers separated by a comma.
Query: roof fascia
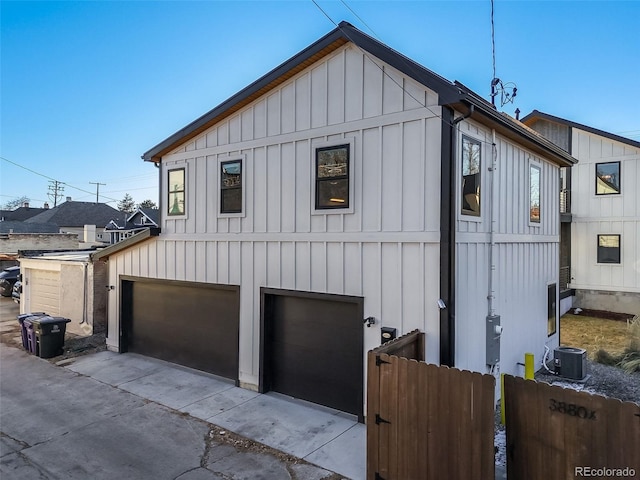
[[341, 35], [124, 244], [538, 115]]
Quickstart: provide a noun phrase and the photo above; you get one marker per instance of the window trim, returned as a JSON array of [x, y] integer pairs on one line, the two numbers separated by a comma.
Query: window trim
[[595, 177], [169, 192], [350, 143], [556, 311], [469, 215], [619, 248], [243, 177], [535, 166]]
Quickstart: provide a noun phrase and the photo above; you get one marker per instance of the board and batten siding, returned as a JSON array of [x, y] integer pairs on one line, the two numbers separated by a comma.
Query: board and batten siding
[[525, 259], [387, 250], [604, 214]]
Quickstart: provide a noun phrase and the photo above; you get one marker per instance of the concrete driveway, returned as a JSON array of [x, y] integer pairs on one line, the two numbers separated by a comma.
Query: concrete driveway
[[108, 415]]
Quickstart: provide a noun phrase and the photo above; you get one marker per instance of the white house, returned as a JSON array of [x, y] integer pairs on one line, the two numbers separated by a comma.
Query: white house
[[347, 190], [604, 228]]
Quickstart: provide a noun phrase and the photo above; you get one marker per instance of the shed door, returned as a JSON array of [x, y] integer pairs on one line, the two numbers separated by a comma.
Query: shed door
[[313, 349], [44, 291], [191, 324]]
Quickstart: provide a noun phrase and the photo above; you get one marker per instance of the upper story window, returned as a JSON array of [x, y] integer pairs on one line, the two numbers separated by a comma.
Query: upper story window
[[471, 164], [608, 248], [534, 194], [332, 172], [607, 178], [231, 186], [176, 191]]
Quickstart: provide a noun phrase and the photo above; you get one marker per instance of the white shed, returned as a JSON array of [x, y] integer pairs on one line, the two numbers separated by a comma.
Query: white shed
[[347, 190], [66, 284]]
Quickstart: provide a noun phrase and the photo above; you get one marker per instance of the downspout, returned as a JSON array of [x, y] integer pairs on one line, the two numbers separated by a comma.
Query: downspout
[[448, 234], [492, 243]]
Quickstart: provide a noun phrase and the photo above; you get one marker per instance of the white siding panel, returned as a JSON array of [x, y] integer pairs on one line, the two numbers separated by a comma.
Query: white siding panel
[[274, 185], [259, 190], [273, 114], [335, 265], [319, 267], [335, 93], [302, 186], [391, 178], [288, 106], [393, 93], [371, 180], [319, 96], [303, 103], [372, 88], [413, 187], [354, 69]]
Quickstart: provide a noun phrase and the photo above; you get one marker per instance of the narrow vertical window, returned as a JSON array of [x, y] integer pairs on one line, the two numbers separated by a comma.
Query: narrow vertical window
[[607, 178], [552, 319], [231, 186], [608, 248], [471, 164], [176, 192], [534, 194], [332, 177]]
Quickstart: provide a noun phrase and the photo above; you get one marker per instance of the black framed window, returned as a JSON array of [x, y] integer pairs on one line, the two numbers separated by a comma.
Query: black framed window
[[534, 194], [552, 318], [608, 178], [608, 248], [471, 164], [176, 191], [231, 186], [332, 177]]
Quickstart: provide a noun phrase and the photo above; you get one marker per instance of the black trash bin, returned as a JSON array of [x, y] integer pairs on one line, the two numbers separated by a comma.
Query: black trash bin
[[50, 335], [23, 328]]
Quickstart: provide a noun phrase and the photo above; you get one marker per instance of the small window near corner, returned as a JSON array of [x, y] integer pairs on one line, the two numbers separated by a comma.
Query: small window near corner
[[332, 177], [552, 318], [471, 164], [608, 248], [534, 194], [176, 191], [608, 178], [231, 186]]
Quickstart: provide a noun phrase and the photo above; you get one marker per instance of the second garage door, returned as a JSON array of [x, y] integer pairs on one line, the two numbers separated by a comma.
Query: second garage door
[[313, 348], [191, 324]]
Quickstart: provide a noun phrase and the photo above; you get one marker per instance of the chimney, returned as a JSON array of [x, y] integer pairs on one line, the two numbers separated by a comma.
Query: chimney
[[46, 206], [90, 233], [25, 204], [68, 199]]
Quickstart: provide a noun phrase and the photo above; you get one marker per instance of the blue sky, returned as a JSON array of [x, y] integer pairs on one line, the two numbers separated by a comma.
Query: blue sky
[[87, 87]]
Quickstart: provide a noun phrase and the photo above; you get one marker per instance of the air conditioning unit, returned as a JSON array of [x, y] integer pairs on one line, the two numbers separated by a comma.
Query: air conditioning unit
[[570, 362]]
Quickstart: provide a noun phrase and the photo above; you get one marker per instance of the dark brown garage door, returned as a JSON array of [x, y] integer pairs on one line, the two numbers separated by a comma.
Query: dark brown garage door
[[191, 324], [313, 348]]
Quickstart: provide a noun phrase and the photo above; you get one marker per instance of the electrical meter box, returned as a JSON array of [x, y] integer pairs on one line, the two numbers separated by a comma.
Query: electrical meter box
[[494, 331]]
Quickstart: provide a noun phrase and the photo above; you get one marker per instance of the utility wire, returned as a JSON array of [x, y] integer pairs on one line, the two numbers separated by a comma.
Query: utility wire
[[53, 179], [493, 42]]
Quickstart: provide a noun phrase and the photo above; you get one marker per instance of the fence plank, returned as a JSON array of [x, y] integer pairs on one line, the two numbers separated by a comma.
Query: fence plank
[[553, 431], [373, 403], [487, 427]]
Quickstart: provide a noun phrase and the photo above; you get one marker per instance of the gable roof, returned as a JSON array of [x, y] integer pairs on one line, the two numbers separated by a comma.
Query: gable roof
[[15, 226], [454, 95], [538, 115], [21, 213], [76, 214]]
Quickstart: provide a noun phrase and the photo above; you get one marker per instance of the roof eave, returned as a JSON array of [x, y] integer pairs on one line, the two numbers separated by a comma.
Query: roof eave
[[538, 115], [486, 114]]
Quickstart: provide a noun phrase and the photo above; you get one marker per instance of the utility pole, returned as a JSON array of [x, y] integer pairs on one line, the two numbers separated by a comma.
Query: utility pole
[[97, 184], [55, 191]]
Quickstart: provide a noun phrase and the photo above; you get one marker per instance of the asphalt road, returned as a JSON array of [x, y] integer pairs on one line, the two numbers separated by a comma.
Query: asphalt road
[[57, 424]]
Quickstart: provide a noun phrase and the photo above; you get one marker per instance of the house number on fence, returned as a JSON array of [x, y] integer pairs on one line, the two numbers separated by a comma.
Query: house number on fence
[[571, 409]]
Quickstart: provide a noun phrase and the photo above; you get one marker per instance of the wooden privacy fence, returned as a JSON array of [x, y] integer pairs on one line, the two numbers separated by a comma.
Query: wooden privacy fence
[[426, 422], [558, 433]]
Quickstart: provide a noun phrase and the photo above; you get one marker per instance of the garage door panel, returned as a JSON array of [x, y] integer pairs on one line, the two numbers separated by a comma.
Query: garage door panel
[[314, 349], [191, 325], [44, 291]]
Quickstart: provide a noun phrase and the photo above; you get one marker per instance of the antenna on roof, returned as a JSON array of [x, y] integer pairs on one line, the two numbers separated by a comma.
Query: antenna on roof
[[507, 91]]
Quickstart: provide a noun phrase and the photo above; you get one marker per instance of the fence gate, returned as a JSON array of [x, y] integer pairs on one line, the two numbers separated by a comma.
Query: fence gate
[[555, 432], [426, 422]]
